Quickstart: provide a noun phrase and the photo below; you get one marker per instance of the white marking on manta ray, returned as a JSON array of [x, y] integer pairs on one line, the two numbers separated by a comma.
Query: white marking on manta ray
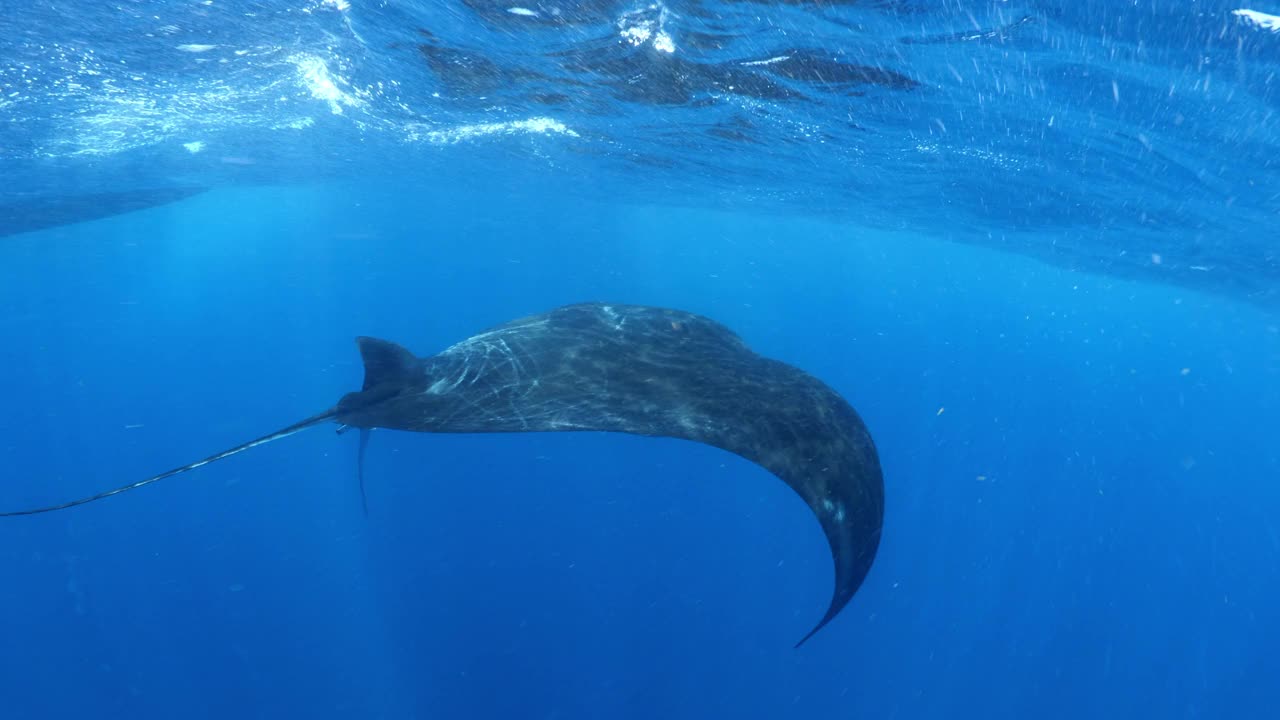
[[443, 385], [476, 339], [690, 421], [517, 365], [613, 316]]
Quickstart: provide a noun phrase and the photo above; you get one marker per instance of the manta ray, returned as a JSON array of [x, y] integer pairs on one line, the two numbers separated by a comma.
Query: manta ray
[[630, 369]]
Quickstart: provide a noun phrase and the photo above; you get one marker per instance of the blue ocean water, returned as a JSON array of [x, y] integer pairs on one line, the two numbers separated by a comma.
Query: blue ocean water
[[1063, 338]]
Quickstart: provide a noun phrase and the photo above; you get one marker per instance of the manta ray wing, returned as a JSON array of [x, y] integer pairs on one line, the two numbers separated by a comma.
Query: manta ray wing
[[657, 372]]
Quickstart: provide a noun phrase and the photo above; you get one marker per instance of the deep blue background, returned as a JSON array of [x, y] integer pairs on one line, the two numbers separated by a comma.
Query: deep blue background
[[1081, 477]]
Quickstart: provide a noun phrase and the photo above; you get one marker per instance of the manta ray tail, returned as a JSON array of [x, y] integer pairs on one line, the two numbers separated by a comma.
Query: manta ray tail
[[364, 444], [282, 433]]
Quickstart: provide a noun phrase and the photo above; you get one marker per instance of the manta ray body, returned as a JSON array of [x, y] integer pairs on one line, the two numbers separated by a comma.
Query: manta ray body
[[629, 369]]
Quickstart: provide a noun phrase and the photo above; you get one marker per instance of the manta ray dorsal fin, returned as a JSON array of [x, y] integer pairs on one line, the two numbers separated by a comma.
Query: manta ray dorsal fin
[[386, 362]]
